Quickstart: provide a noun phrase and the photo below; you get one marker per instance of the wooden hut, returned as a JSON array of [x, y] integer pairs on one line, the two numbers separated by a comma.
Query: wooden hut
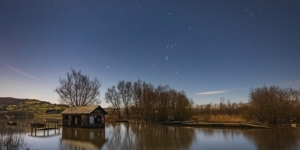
[[84, 116]]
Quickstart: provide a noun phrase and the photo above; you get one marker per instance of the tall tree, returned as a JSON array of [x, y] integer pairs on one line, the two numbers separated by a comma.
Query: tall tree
[[78, 90], [137, 97], [113, 97], [125, 92], [162, 102]]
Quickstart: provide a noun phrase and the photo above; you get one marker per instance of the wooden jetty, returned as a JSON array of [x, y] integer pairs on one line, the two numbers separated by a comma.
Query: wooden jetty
[[177, 122], [124, 121], [46, 126]]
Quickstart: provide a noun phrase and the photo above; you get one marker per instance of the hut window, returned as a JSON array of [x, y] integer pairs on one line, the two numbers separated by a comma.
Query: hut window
[[91, 120]]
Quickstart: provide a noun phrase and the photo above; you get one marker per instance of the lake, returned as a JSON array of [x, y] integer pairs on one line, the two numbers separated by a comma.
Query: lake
[[151, 136]]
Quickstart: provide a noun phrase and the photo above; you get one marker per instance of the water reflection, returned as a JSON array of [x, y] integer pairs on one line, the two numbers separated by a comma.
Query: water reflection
[[275, 139], [148, 136], [281, 139], [155, 136], [82, 138]]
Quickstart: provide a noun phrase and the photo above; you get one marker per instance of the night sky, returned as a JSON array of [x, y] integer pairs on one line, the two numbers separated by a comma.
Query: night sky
[[208, 48]]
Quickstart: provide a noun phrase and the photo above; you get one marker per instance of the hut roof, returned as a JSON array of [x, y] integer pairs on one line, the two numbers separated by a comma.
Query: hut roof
[[82, 109]]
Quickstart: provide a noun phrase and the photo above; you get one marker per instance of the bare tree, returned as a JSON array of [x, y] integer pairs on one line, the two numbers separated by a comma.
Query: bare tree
[[78, 90], [162, 102], [137, 97], [271, 104], [113, 97], [125, 92]]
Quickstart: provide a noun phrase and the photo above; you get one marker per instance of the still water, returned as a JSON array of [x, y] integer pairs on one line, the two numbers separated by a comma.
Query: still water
[[145, 136]]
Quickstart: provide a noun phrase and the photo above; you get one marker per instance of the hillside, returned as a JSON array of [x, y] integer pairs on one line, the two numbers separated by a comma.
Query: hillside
[[15, 101], [33, 106]]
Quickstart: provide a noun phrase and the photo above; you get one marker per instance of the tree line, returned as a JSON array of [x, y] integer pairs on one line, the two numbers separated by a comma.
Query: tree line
[[271, 104], [143, 101], [274, 104]]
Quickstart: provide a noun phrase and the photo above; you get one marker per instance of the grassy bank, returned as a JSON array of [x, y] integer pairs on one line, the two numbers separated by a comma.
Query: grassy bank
[[199, 118], [50, 116], [219, 118]]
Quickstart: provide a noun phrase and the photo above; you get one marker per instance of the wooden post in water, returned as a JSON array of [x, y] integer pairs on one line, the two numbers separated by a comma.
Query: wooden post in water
[[48, 129], [55, 127], [58, 128], [44, 132], [31, 128], [35, 129]]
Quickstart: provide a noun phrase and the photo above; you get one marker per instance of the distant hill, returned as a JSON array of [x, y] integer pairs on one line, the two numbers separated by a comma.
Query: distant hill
[[14, 101], [36, 107]]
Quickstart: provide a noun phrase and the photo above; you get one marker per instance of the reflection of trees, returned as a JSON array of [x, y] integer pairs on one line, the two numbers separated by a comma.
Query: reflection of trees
[[135, 136], [275, 139], [228, 134], [12, 138], [166, 137], [262, 139], [149, 136], [115, 133], [121, 136]]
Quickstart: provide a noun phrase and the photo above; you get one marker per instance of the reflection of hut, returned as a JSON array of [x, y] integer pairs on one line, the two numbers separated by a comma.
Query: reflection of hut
[[84, 116], [80, 138]]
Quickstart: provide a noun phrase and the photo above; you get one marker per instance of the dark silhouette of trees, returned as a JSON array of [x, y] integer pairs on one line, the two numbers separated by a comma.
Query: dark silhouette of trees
[[266, 104], [142, 101], [113, 97], [125, 92], [274, 104], [137, 94], [78, 90]]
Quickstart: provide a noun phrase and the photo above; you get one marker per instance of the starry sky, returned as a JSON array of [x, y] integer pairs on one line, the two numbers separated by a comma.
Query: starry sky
[[208, 48]]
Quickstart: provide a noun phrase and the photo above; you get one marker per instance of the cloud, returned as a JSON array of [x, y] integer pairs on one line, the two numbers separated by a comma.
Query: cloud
[[22, 73], [212, 92], [218, 92]]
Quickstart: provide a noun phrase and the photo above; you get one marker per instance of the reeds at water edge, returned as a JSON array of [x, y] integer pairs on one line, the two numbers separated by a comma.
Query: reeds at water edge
[[12, 138]]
